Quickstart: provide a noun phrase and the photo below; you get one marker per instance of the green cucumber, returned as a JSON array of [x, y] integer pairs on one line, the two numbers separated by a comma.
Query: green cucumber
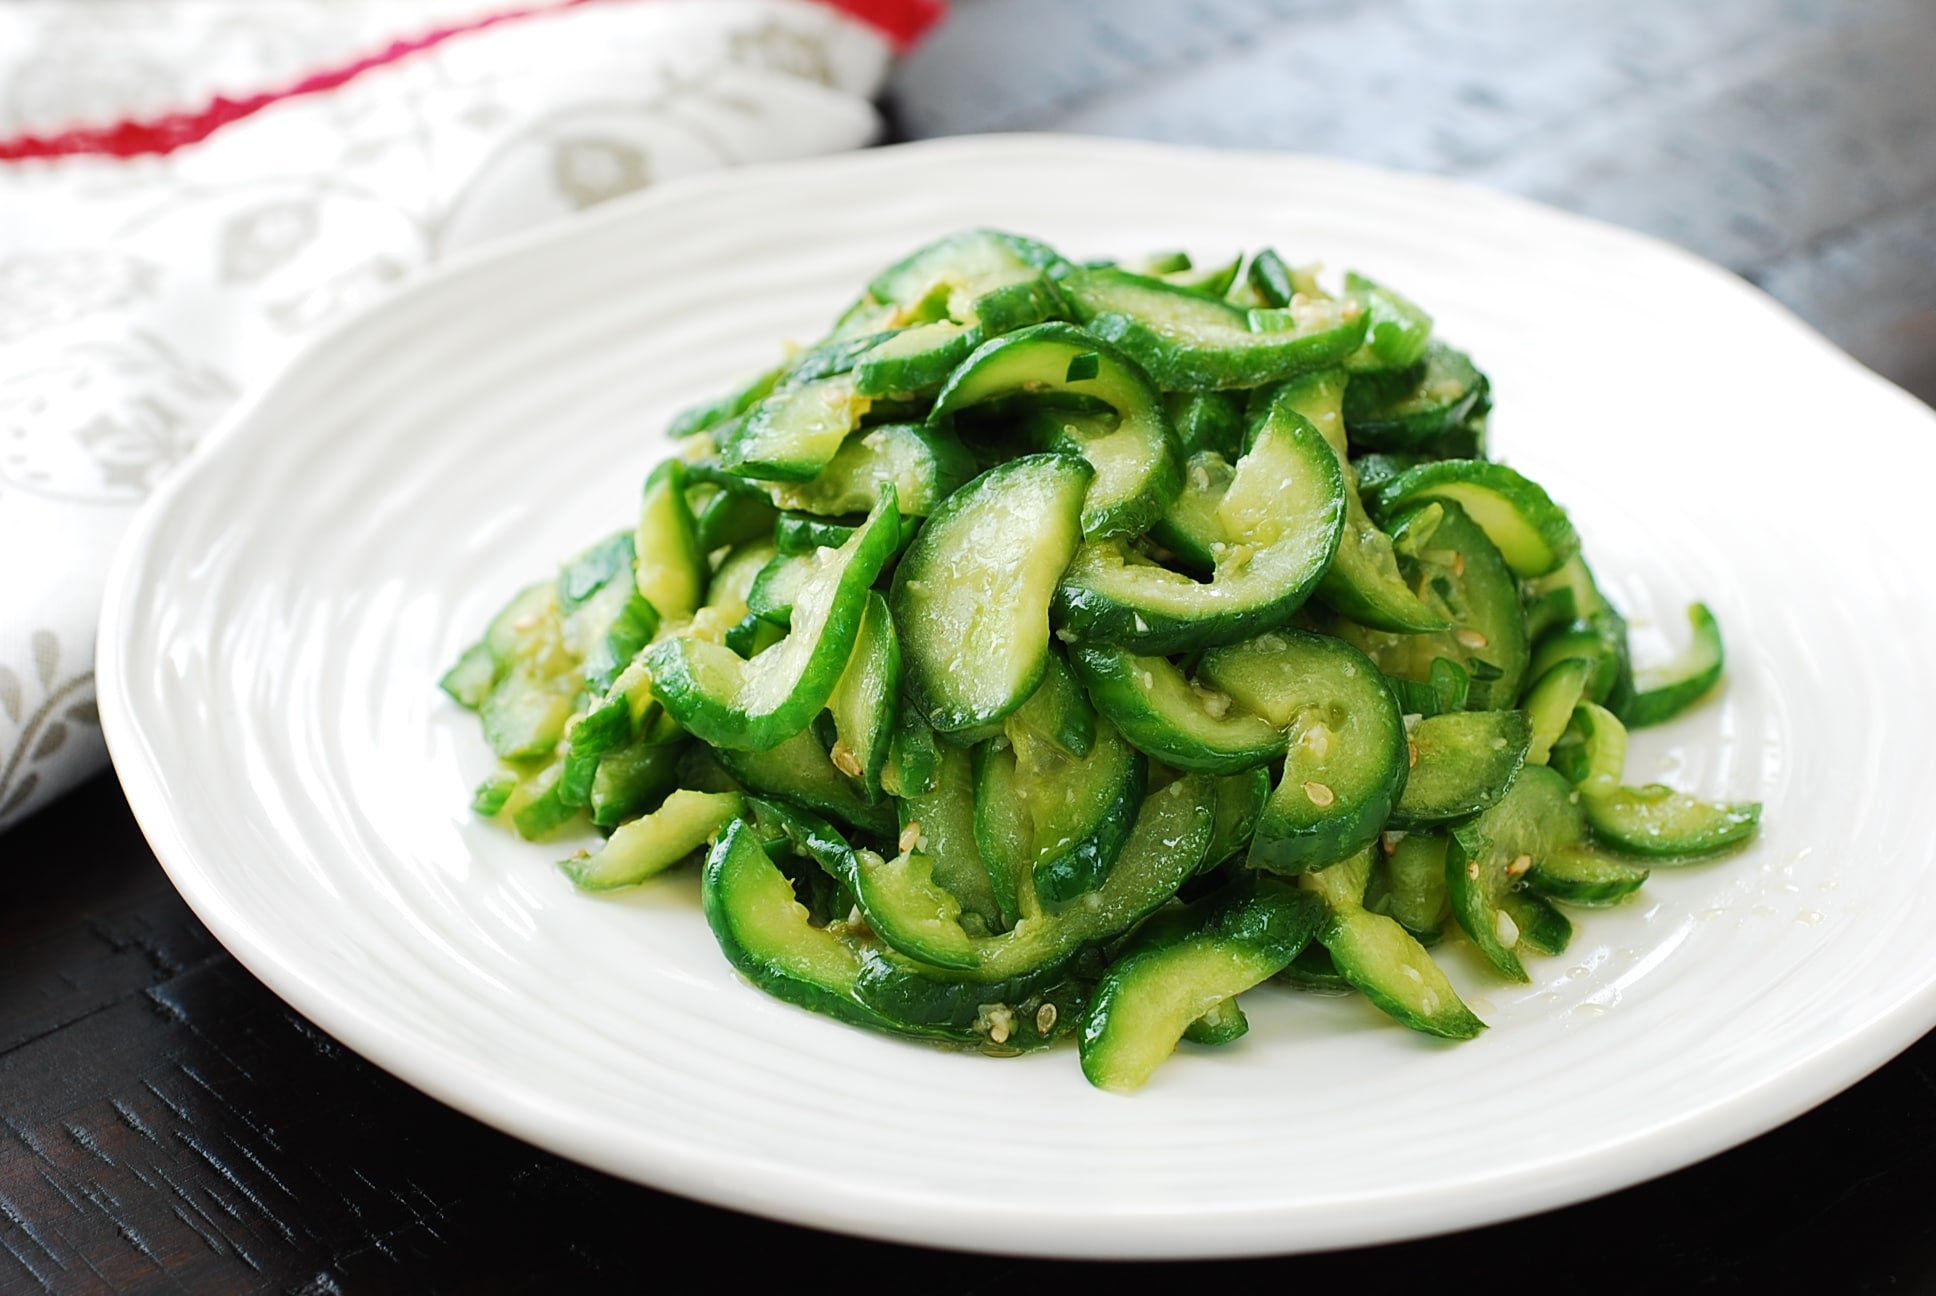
[[795, 432], [1663, 694], [1415, 881], [755, 705], [923, 464], [1345, 762], [671, 567], [1388, 965], [971, 595], [1399, 329], [1166, 716], [1363, 581], [1166, 979], [1165, 846], [1283, 513], [765, 933], [651, 844], [1459, 574], [1139, 466], [866, 701], [1048, 824], [1409, 409], [800, 771], [939, 821], [1461, 763], [1582, 875], [1532, 533], [1659, 822], [1188, 342], [1491, 854]]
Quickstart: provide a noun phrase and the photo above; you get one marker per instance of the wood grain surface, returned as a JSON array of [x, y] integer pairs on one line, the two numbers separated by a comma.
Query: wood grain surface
[[171, 1126]]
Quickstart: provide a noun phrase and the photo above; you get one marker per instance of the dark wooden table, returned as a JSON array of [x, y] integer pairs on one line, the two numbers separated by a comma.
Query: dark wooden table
[[171, 1126]]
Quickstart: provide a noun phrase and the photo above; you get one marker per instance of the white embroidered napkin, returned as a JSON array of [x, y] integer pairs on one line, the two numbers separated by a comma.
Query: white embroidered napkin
[[140, 296]]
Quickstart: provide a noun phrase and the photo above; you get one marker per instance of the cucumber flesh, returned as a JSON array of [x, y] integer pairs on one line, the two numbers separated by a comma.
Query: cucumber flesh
[[651, 844], [1160, 985]]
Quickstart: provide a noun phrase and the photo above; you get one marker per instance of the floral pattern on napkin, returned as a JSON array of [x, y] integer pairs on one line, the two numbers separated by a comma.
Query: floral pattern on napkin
[[140, 297]]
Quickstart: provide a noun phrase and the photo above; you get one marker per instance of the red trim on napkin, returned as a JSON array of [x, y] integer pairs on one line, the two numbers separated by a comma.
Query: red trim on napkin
[[903, 22]]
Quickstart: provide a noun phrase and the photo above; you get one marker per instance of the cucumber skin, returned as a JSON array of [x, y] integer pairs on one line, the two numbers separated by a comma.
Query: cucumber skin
[[1253, 933]]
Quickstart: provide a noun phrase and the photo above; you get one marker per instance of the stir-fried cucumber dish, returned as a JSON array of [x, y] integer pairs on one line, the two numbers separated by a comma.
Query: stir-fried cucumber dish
[[1066, 649]]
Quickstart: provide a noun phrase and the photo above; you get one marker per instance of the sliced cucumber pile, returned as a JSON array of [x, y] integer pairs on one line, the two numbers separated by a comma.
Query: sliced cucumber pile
[[1059, 650]]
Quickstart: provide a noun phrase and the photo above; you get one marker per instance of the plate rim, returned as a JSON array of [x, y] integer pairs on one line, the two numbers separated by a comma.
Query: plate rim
[[1687, 1138]]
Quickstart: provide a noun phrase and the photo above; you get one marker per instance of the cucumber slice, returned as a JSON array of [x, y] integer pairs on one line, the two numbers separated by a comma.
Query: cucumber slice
[[1209, 420], [1415, 882], [1459, 574], [1380, 958], [1461, 763], [1659, 822], [1165, 846], [1164, 715], [1163, 982], [1492, 852], [866, 702], [1345, 763], [1017, 306], [1283, 513], [940, 823], [1603, 749], [799, 771], [671, 567], [1058, 712], [1192, 529], [632, 779], [710, 414], [1050, 825], [1223, 1023], [494, 793], [778, 584], [1582, 875], [1531, 532], [1662, 694], [907, 909], [973, 261], [755, 705], [766, 934], [915, 359], [1399, 329], [1363, 581], [1137, 460], [1240, 801], [1409, 409], [469, 680], [1188, 342], [794, 433], [971, 595], [1550, 704], [538, 680], [924, 466], [651, 844]]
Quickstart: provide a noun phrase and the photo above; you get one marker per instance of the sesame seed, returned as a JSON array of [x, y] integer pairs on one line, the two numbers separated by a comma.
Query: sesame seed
[[1472, 870], [1045, 1019], [845, 761], [1507, 930], [910, 836], [1319, 794], [1458, 563], [1519, 866], [1470, 638], [1411, 754]]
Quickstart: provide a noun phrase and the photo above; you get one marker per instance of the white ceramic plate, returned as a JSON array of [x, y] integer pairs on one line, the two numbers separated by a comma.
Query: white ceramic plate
[[278, 616]]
